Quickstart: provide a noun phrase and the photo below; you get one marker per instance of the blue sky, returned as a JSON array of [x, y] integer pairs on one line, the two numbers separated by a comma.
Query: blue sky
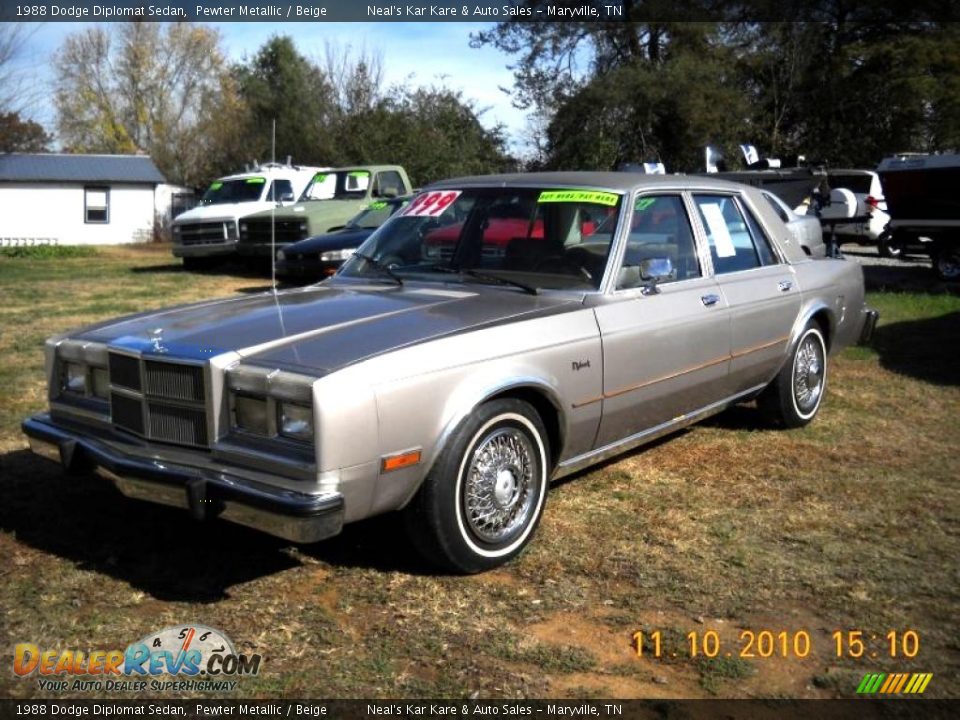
[[426, 53]]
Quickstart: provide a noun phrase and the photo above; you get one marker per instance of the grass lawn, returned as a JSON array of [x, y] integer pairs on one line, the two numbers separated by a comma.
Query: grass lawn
[[850, 524]]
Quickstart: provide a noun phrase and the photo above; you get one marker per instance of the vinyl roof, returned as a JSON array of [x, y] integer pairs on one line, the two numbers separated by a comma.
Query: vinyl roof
[[616, 181], [62, 167]]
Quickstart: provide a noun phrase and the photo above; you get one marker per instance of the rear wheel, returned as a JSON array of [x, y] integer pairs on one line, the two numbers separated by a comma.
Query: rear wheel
[[946, 260], [793, 398], [484, 497]]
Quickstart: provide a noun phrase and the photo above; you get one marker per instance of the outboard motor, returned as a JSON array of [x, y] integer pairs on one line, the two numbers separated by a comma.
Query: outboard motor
[[646, 168], [714, 160]]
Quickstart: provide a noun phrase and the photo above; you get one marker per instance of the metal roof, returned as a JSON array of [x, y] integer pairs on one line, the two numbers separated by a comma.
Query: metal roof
[[61, 167]]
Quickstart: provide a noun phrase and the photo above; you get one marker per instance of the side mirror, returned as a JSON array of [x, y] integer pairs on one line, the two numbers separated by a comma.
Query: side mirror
[[654, 270], [287, 197], [389, 192]]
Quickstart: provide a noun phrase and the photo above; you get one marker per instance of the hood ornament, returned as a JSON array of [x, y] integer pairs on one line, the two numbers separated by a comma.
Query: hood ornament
[[156, 337]]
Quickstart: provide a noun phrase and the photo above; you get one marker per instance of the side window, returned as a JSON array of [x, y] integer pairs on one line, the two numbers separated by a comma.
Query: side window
[[760, 239], [728, 235], [781, 213], [96, 204], [389, 184], [659, 228], [279, 189]]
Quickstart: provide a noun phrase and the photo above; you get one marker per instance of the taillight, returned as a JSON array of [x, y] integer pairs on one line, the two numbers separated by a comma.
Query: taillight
[[872, 201]]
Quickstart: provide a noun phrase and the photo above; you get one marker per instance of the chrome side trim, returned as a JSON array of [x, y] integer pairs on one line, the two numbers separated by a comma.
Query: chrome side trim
[[574, 464], [685, 371]]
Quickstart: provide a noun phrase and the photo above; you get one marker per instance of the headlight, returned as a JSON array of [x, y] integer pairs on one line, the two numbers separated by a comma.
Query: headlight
[[250, 414], [230, 230], [295, 421], [281, 256], [101, 383], [336, 255], [75, 378]]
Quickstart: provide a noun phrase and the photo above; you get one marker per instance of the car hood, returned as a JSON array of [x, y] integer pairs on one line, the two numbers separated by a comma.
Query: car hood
[[321, 328], [330, 241], [223, 211]]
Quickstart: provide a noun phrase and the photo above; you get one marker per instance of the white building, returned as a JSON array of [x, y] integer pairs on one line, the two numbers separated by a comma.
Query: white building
[[65, 199]]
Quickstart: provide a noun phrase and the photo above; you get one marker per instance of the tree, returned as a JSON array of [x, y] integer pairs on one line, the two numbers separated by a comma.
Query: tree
[[144, 87], [15, 96], [845, 81], [18, 135], [279, 84]]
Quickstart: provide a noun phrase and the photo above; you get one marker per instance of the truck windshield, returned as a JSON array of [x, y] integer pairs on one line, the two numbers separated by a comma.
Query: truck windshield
[[234, 191], [338, 185], [541, 237]]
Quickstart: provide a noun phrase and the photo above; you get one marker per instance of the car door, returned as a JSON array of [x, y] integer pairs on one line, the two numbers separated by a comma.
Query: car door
[[665, 352], [758, 287]]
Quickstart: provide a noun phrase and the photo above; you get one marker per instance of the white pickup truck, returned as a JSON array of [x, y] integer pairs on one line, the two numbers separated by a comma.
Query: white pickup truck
[[209, 231]]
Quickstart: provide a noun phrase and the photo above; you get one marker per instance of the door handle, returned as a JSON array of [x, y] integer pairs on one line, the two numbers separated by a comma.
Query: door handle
[[784, 285], [709, 300]]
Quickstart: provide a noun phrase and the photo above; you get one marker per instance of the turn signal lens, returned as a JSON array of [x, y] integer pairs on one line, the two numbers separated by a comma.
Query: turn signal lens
[[250, 414], [101, 383]]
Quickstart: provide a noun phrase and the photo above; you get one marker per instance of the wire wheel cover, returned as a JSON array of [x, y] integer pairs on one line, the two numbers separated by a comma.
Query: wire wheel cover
[[499, 490], [808, 372]]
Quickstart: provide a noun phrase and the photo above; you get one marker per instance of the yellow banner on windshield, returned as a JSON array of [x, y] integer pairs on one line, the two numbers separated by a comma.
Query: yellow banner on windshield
[[596, 197]]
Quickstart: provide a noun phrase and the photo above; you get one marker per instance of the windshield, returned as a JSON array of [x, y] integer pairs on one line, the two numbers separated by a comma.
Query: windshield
[[374, 215], [541, 237], [234, 191], [338, 185]]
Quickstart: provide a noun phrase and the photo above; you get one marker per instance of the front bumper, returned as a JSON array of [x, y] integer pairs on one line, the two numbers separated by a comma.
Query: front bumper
[[212, 249], [870, 318], [251, 248], [206, 493]]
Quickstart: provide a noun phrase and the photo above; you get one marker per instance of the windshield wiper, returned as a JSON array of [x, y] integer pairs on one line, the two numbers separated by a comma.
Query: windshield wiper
[[481, 275], [380, 267]]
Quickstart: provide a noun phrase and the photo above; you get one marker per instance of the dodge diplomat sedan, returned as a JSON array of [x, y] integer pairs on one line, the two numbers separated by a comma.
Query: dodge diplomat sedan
[[454, 386]]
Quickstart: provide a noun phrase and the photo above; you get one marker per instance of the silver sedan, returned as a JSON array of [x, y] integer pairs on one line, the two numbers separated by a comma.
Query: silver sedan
[[496, 334]]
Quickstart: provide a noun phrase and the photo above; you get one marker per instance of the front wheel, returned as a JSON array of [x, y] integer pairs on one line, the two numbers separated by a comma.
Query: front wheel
[[484, 497], [887, 247], [793, 398]]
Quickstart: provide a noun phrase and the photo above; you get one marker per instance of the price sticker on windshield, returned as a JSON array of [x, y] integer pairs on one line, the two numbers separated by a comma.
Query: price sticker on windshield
[[431, 204]]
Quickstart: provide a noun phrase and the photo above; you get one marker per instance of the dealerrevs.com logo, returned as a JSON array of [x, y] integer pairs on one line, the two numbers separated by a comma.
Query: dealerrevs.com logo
[[187, 658]]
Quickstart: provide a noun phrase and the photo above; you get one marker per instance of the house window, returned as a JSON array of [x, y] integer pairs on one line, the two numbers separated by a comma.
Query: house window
[[96, 204]]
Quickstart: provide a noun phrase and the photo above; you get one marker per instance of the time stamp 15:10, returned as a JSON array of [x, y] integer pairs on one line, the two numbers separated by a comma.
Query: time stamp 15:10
[[781, 644]]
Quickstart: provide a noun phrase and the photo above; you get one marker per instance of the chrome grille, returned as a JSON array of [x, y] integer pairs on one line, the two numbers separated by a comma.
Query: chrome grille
[[168, 403], [127, 413], [177, 424], [207, 233], [176, 382], [125, 371], [285, 231]]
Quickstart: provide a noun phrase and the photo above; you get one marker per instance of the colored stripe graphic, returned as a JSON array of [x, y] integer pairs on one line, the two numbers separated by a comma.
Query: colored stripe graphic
[[894, 683]]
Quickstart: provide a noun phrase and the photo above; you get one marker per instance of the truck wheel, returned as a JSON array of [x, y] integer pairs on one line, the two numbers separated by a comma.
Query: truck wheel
[[484, 497], [887, 248], [793, 398], [946, 261]]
